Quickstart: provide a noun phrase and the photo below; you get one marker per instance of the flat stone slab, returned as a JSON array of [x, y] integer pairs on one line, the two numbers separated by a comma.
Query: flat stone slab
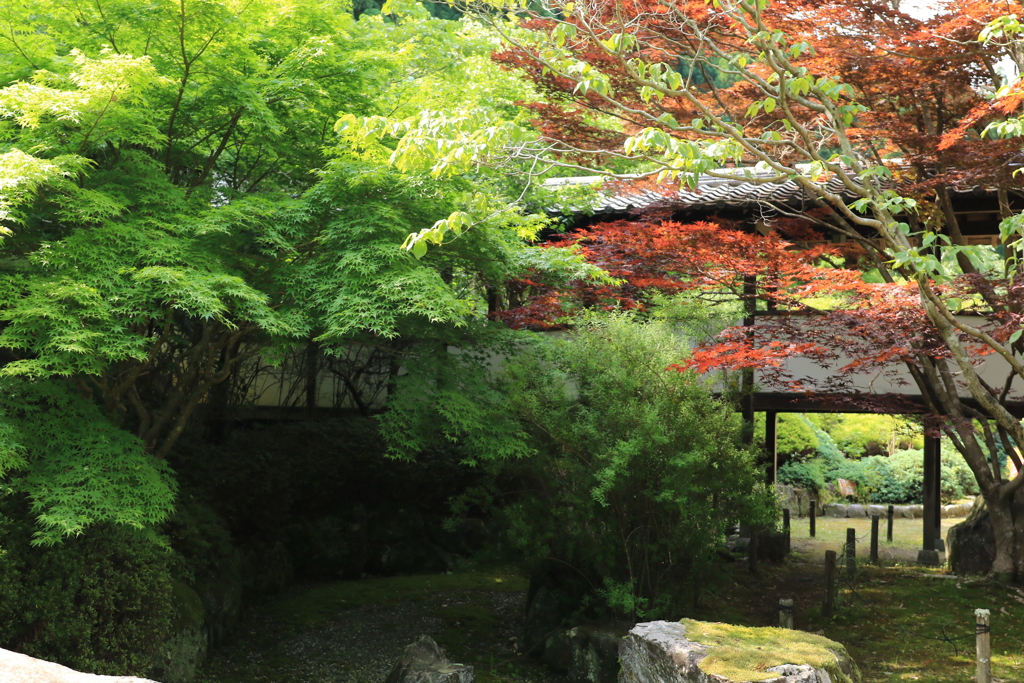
[[19, 668]]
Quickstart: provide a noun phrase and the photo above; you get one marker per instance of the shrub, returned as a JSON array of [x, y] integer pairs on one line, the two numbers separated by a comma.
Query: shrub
[[99, 602], [643, 466], [806, 475], [795, 435]]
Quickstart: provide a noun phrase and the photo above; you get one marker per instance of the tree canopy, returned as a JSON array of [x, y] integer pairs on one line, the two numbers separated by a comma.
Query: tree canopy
[[174, 200], [877, 116]]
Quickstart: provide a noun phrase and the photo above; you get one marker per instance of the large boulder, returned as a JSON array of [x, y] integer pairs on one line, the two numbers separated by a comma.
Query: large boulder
[[595, 654], [556, 592], [187, 644], [424, 662], [971, 544], [220, 590], [19, 668], [698, 652]]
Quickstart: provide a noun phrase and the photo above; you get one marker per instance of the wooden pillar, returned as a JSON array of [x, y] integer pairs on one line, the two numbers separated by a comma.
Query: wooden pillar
[[771, 445], [747, 374], [931, 513]]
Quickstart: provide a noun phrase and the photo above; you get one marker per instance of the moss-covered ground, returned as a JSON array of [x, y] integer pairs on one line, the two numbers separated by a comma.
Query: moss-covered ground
[[747, 653], [900, 622]]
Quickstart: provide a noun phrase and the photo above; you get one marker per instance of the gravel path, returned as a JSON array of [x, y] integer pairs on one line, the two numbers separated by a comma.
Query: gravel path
[[360, 645]]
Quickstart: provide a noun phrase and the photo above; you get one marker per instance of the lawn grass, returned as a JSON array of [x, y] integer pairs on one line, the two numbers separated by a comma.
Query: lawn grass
[[831, 535], [901, 622]]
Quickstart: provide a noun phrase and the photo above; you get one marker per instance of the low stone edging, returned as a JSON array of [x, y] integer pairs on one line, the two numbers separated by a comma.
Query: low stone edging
[[855, 511]]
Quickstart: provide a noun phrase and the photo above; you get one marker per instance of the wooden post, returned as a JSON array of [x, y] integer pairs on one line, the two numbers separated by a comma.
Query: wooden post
[[814, 505], [830, 584], [931, 492], [851, 553], [984, 645], [785, 612], [785, 527], [874, 539], [888, 531], [771, 445]]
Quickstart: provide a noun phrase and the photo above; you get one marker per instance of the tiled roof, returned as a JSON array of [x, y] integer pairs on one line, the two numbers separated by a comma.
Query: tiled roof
[[710, 193]]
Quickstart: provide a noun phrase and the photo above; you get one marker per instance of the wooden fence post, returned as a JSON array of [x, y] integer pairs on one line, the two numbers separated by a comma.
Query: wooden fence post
[[984, 645], [814, 505], [785, 612], [888, 531], [874, 539], [851, 553], [830, 584]]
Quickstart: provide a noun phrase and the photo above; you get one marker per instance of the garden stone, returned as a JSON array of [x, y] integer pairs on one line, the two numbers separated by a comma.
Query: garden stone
[[837, 510], [880, 510], [595, 655], [543, 616], [661, 652], [555, 592], [914, 511], [789, 498], [187, 644], [737, 544], [19, 668], [558, 652], [424, 662], [221, 592], [948, 511], [972, 542], [855, 511]]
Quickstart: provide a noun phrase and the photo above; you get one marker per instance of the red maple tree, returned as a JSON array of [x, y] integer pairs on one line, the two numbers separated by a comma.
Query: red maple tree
[[809, 92]]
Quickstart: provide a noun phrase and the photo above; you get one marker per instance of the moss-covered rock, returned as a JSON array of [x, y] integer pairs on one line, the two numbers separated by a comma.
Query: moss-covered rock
[[187, 645], [694, 651], [221, 593]]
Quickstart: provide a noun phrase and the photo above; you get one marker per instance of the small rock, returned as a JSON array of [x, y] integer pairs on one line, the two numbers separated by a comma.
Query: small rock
[[424, 662]]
